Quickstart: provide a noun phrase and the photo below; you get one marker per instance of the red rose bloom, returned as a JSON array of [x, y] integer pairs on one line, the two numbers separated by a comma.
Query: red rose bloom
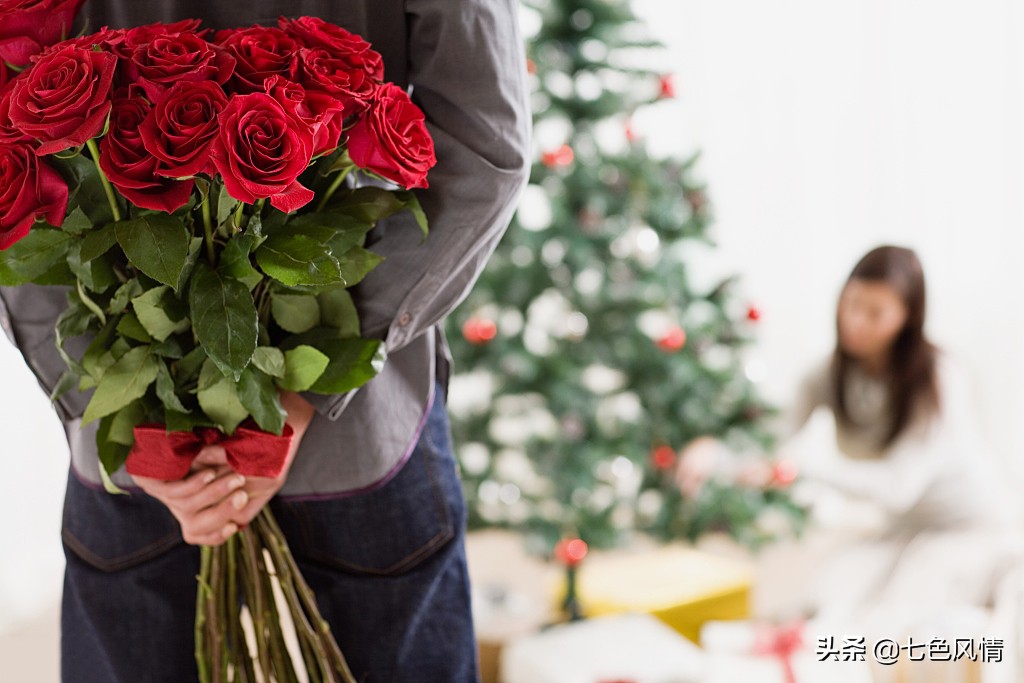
[[28, 26], [261, 150], [321, 112], [131, 168], [392, 141], [63, 101], [172, 58], [320, 70], [8, 133], [125, 41], [180, 128], [314, 32], [260, 52], [29, 189]]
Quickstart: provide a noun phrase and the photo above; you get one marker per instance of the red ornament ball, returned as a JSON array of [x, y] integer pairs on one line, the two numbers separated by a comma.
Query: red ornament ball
[[784, 473], [753, 313], [673, 340], [571, 551], [663, 457], [558, 158], [667, 86], [479, 330]]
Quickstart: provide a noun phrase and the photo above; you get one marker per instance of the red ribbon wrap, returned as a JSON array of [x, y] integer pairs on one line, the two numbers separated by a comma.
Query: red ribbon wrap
[[782, 642], [160, 454]]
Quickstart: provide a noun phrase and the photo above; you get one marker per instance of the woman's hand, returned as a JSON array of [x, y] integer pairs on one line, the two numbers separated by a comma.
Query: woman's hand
[[213, 502]]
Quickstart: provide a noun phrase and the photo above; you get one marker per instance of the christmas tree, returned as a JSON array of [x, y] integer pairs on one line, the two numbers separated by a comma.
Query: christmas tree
[[586, 356]]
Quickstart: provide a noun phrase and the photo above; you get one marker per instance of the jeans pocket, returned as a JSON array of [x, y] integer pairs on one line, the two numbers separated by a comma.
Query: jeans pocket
[[388, 530], [116, 532]]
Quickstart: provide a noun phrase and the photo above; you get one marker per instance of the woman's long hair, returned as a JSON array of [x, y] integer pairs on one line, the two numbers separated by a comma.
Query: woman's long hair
[[911, 375]]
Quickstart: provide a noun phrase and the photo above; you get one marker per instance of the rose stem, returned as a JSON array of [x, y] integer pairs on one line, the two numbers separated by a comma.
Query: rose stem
[[213, 626], [211, 255], [256, 610], [282, 658], [224, 594], [95, 151], [238, 215], [308, 599], [250, 599], [333, 188], [201, 594], [298, 590]]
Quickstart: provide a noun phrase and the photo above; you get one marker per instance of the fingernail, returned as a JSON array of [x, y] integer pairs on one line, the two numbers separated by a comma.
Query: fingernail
[[239, 500], [236, 482], [228, 530], [209, 476]]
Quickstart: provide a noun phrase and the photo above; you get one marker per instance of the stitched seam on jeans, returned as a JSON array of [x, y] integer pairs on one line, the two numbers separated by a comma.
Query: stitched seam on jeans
[[139, 556], [439, 539]]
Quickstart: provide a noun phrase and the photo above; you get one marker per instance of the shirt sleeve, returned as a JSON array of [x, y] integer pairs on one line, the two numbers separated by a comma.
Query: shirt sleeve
[[467, 72], [911, 464]]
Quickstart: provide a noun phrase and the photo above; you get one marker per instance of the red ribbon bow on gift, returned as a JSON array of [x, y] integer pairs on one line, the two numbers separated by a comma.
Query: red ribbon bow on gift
[[782, 642], [160, 454]]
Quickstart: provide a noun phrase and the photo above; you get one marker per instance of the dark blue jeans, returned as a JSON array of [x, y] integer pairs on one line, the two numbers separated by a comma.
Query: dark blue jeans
[[388, 567]]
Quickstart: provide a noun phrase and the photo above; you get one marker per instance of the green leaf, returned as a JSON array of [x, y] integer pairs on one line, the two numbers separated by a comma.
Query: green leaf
[[87, 190], [122, 426], [337, 310], [58, 274], [98, 356], [33, 255], [123, 296], [304, 365], [129, 326], [157, 244], [190, 364], [295, 312], [298, 260], [270, 360], [226, 205], [370, 204], [96, 274], [122, 383], [161, 313], [186, 422], [169, 348], [98, 242], [234, 260], [412, 203], [356, 263], [165, 390], [77, 223], [353, 362], [112, 454], [191, 259], [258, 394], [224, 319], [218, 397], [340, 231]]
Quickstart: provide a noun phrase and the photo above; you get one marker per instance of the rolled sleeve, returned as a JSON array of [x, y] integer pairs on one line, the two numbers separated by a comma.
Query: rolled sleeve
[[467, 72]]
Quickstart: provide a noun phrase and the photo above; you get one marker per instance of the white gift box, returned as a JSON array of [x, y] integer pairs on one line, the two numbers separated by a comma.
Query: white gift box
[[633, 647]]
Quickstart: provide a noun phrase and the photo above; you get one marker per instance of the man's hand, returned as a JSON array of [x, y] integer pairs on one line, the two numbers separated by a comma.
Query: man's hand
[[213, 502]]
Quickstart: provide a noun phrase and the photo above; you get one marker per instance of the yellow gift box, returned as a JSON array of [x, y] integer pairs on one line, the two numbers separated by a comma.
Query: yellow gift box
[[681, 586]]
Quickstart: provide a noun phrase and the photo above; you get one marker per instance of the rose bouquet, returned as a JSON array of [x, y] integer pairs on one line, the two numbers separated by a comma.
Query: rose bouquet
[[196, 192]]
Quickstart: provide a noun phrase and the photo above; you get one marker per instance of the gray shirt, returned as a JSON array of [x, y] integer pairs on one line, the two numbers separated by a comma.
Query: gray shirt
[[464, 60]]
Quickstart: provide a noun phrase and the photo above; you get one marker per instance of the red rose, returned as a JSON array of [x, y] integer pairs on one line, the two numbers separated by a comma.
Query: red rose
[[261, 150], [8, 133], [180, 128], [123, 42], [131, 168], [64, 99], [314, 32], [321, 112], [28, 26], [392, 141], [30, 189], [320, 70], [172, 58], [261, 52]]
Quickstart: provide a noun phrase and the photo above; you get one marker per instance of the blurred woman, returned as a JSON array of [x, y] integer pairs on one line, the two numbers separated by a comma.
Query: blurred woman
[[904, 443]]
